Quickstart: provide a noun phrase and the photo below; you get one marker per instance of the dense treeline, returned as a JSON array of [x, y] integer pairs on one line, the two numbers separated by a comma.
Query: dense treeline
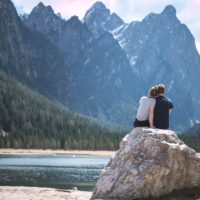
[[192, 137], [191, 140], [29, 120]]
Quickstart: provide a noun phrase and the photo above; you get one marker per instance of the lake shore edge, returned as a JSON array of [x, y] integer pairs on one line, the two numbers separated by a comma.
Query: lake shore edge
[[56, 151], [39, 193], [51, 151]]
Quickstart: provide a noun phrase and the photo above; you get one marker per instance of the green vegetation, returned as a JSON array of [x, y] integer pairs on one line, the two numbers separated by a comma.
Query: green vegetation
[[191, 137], [29, 120], [191, 140]]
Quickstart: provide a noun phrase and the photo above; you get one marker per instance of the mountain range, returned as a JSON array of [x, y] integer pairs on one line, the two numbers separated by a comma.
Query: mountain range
[[100, 66]]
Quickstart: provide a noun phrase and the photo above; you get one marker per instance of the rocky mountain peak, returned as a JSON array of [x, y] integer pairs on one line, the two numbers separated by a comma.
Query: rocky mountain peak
[[42, 9], [169, 10], [99, 19], [97, 10], [98, 6], [74, 21], [168, 17], [40, 5], [43, 19]]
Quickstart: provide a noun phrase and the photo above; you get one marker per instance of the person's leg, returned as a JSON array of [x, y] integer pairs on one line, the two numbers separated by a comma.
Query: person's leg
[[144, 123], [137, 123]]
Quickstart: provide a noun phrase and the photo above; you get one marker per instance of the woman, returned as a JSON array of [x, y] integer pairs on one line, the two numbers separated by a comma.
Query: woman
[[144, 117]]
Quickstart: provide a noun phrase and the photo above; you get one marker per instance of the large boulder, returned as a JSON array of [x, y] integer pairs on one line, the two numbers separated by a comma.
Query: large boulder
[[149, 163]]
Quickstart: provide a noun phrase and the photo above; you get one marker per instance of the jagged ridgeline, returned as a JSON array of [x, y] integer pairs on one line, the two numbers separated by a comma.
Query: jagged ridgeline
[[29, 120]]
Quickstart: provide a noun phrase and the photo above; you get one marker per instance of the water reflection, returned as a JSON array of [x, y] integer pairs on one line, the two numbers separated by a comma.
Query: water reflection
[[59, 171]]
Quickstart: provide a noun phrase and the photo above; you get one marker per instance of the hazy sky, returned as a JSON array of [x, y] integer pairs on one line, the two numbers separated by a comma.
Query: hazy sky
[[188, 11]]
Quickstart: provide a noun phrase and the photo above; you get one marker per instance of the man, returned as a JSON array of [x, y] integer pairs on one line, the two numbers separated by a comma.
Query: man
[[162, 109]]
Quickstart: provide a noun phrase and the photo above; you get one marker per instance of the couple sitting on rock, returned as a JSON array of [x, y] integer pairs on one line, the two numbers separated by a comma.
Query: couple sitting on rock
[[154, 110]]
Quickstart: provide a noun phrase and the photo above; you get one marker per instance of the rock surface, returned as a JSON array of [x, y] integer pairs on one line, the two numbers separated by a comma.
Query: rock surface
[[149, 163]]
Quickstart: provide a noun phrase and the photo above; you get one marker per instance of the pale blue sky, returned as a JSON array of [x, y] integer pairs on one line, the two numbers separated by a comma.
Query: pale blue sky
[[188, 11]]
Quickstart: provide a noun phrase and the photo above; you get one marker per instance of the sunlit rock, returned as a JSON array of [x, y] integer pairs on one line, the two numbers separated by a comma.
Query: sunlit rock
[[149, 163]]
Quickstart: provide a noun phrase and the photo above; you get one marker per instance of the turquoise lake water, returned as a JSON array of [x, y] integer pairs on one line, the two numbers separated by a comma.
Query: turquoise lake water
[[56, 171]]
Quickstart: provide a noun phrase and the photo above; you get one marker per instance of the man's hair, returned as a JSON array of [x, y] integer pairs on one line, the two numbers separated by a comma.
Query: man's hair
[[161, 89], [153, 91]]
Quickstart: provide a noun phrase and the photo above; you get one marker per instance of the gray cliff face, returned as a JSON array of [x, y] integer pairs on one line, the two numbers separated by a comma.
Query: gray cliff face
[[150, 163], [13, 56], [101, 84], [30, 56], [105, 84]]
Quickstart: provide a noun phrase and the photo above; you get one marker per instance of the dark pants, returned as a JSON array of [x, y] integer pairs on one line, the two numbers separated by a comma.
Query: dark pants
[[138, 123]]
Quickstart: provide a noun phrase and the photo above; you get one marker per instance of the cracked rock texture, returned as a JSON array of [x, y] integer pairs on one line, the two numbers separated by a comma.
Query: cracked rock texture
[[149, 163]]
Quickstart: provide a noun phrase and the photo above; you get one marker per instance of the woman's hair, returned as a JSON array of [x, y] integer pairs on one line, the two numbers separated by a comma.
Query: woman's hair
[[153, 91], [161, 89]]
